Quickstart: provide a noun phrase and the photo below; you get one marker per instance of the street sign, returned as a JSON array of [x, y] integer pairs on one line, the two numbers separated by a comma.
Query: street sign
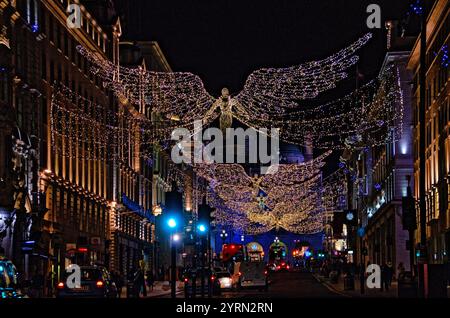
[[361, 231]]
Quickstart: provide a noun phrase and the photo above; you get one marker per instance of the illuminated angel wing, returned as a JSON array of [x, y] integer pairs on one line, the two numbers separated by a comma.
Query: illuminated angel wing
[[272, 89], [230, 175], [288, 174], [177, 96]]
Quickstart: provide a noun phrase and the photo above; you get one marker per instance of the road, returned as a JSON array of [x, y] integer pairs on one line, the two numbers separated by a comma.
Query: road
[[284, 285], [288, 285]]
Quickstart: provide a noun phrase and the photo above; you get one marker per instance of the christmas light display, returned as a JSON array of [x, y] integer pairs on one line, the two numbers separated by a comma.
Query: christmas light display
[[295, 196], [289, 198], [182, 95], [370, 115]]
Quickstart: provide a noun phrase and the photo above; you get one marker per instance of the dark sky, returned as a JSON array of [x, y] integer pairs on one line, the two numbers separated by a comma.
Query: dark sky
[[223, 41]]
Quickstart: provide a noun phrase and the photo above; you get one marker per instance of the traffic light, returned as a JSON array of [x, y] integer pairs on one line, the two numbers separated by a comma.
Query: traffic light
[[409, 211], [174, 201], [417, 253], [202, 228], [421, 252], [206, 215]]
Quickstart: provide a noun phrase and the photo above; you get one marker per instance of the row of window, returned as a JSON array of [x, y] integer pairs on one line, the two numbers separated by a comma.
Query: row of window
[[88, 26], [381, 243], [439, 41], [137, 190], [135, 228], [79, 213], [436, 125]]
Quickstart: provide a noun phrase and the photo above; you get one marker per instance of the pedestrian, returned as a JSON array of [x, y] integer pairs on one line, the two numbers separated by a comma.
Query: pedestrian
[[384, 275], [150, 280], [139, 283], [161, 273], [119, 282], [131, 285], [37, 284], [389, 275], [400, 270]]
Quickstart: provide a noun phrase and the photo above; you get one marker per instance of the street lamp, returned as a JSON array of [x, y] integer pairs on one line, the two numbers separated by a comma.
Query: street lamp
[[172, 223], [176, 237], [202, 229], [223, 236]]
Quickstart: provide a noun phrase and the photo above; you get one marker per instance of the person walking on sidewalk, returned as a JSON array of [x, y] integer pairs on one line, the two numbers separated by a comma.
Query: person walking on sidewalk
[[118, 280], [139, 282], [400, 270], [383, 276], [389, 275], [150, 280]]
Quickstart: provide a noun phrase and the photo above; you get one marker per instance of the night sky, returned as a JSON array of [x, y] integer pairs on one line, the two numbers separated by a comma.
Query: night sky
[[223, 41]]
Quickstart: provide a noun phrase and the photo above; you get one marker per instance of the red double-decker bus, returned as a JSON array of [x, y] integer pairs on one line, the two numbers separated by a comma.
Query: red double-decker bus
[[233, 252]]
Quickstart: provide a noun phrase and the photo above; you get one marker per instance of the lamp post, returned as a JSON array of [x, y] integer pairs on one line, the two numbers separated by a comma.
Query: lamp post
[[223, 236], [172, 223], [202, 230]]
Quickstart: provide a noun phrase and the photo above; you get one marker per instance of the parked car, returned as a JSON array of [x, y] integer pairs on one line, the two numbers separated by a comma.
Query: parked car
[[8, 280], [96, 282], [195, 275]]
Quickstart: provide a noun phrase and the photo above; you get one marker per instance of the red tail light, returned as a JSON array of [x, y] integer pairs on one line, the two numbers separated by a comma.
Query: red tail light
[[278, 267], [60, 285], [186, 280], [99, 284], [213, 278], [287, 267], [265, 272]]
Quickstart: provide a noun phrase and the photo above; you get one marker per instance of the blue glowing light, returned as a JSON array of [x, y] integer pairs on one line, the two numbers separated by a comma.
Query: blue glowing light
[[445, 58], [172, 223], [201, 228], [35, 28], [416, 7]]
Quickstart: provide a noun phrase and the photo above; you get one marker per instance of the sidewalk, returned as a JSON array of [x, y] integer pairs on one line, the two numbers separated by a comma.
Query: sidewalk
[[370, 293], [160, 288]]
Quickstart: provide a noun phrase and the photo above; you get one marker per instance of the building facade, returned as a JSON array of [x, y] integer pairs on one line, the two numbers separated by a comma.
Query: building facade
[[381, 174], [437, 141], [61, 200]]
